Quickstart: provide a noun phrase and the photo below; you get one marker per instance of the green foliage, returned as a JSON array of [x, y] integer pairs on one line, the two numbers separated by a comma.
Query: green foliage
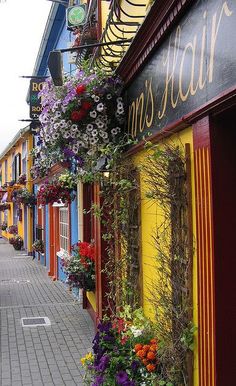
[[188, 336]]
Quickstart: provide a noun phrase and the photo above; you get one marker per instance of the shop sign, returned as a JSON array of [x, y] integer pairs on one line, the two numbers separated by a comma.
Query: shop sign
[[195, 64], [36, 86], [76, 15]]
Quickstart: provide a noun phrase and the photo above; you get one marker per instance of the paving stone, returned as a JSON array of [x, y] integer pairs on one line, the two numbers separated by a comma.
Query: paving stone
[[47, 356]]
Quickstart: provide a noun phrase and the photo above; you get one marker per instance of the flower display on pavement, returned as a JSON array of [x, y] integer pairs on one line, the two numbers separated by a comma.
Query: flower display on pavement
[[121, 358], [78, 120]]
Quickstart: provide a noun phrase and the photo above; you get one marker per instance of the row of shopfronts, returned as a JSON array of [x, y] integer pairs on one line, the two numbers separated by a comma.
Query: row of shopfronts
[[180, 92]]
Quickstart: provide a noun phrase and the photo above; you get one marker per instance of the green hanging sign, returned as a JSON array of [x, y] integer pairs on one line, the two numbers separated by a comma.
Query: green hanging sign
[[76, 15]]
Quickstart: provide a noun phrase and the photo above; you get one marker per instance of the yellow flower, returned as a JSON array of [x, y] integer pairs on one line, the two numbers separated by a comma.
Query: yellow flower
[[88, 358]]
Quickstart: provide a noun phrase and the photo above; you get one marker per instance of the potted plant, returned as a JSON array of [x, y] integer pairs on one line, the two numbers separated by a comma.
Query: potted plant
[[22, 179], [80, 266], [124, 353], [17, 242]]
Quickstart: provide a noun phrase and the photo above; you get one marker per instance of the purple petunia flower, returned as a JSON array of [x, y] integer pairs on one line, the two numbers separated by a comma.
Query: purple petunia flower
[[68, 152], [98, 380], [105, 327], [122, 377], [134, 366], [104, 361]]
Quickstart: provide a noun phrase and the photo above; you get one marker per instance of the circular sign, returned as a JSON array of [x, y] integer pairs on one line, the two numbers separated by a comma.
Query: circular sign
[[76, 15]]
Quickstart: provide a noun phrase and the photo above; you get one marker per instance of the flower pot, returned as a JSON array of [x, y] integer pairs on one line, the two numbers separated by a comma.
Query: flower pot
[[17, 247]]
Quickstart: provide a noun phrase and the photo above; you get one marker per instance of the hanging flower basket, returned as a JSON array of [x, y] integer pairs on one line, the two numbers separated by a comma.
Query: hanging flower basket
[[13, 229], [51, 192], [23, 196], [78, 121], [4, 206], [38, 246], [22, 179]]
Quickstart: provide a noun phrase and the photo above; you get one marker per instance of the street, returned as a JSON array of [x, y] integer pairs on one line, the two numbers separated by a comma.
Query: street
[[43, 355]]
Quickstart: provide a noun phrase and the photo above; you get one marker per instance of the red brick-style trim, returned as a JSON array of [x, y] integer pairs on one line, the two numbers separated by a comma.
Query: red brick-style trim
[[205, 253], [163, 16]]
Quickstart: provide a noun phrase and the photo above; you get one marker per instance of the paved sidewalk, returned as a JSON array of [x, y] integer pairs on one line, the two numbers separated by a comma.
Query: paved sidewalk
[[38, 356]]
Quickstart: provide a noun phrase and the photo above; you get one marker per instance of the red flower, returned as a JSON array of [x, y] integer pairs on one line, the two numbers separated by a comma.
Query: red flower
[[80, 89], [86, 105], [78, 115]]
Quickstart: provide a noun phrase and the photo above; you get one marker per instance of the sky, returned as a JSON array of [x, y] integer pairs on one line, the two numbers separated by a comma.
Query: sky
[[22, 24]]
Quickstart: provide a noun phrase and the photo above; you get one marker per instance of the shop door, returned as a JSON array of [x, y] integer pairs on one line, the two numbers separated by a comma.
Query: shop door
[[223, 157]]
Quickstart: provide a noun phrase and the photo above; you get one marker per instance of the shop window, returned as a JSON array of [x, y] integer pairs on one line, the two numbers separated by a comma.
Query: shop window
[[13, 167], [6, 166], [64, 228], [17, 166], [24, 157], [40, 226]]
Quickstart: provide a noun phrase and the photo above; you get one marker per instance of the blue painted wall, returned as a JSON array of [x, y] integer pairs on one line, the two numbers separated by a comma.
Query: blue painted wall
[[47, 237]]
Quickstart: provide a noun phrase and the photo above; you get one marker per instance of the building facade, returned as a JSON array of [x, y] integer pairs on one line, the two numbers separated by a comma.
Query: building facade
[[15, 171]]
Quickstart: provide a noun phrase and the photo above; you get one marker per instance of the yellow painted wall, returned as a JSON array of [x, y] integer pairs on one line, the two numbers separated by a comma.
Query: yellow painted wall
[[151, 216], [123, 31], [92, 299], [15, 150]]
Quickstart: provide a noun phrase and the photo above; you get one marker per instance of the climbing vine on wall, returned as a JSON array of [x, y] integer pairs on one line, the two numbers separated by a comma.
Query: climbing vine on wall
[[120, 197], [167, 183]]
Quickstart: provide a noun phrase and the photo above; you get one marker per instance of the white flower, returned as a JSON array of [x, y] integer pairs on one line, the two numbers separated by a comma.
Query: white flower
[[80, 143], [94, 133], [47, 138], [96, 98], [91, 151], [120, 105], [100, 107], [66, 134], [120, 110], [58, 114], [93, 141], [75, 149], [100, 125], [136, 331], [55, 136], [101, 133], [109, 96], [73, 135], [85, 137], [63, 123], [52, 120], [56, 125], [74, 127], [119, 99], [93, 114], [89, 127], [114, 131]]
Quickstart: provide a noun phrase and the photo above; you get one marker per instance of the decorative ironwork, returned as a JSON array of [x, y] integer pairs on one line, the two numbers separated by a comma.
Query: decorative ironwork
[[122, 24]]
